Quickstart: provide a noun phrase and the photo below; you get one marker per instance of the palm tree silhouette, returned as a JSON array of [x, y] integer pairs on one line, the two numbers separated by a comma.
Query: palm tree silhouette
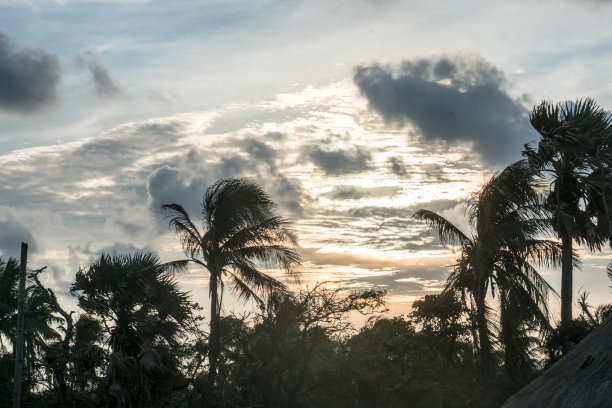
[[40, 322], [141, 309], [240, 231], [569, 154], [506, 218]]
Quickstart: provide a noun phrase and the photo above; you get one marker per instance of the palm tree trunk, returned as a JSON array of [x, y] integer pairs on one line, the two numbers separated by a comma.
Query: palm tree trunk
[[485, 350], [19, 332], [566, 290], [213, 341], [507, 336]]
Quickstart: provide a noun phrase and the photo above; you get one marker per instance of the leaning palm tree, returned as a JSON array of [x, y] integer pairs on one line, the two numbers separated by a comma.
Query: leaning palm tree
[[573, 154], [240, 232], [506, 219]]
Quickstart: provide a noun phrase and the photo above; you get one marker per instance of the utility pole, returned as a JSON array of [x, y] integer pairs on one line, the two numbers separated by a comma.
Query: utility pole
[[19, 337]]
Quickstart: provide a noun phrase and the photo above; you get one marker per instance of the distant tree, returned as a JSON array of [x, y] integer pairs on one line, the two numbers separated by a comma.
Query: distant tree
[[141, 309], [507, 218], [240, 232], [290, 358], [573, 154], [441, 316], [390, 363]]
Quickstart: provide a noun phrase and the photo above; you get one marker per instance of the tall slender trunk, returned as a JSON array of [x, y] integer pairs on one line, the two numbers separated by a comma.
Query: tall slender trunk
[[509, 331], [566, 290], [485, 350], [213, 341], [19, 333]]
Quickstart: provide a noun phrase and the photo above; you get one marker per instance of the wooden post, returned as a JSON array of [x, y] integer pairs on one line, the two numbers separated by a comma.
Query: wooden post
[[19, 336]]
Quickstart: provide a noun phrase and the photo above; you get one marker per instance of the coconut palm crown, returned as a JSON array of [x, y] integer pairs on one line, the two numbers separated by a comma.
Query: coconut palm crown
[[574, 155], [240, 232], [506, 221]]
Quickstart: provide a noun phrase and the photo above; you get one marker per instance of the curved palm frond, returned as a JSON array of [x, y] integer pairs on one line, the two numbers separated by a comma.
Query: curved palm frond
[[262, 232], [243, 290], [230, 205], [449, 234], [183, 227], [247, 273]]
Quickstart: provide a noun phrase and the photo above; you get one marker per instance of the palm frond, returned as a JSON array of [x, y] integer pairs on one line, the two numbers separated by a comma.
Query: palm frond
[[183, 227], [247, 273], [449, 234], [261, 232], [278, 256], [243, 290], [174, 267]]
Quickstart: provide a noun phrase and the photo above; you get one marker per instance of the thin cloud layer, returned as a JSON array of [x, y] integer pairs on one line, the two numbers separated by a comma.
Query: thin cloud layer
[[106, 87], [457, 99], [29, 77]]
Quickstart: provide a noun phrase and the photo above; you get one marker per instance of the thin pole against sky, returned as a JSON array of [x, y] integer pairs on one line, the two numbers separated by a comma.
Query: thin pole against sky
[[19, 337]]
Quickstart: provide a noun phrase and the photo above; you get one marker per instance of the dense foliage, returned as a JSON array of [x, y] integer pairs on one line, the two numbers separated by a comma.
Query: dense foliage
[[137, 339]]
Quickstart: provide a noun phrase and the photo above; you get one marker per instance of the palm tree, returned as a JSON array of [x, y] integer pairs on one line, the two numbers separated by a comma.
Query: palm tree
[[39, 318], [240, 231], [506, 219], [142, 311], [572, 154]]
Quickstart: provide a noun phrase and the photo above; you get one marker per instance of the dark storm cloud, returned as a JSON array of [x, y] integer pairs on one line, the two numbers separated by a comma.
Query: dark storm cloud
[[12, 234], [165, 185], [337, 161], [106, 86], [452, 99], [29, 77]]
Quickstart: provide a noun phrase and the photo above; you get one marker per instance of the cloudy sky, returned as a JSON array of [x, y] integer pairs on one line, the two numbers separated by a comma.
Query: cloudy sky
[[352, 114]]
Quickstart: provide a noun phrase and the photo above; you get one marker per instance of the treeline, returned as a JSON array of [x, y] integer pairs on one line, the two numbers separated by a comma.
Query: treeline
[[138, 340]]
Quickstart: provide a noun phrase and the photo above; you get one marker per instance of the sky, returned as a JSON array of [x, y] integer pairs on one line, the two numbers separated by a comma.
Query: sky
[[352, 114]]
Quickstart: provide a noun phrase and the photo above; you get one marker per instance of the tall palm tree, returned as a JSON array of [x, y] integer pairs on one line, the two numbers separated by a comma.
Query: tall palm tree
[[573, 154], [240, 231], [39, 318], [142, 310], [506, 221]]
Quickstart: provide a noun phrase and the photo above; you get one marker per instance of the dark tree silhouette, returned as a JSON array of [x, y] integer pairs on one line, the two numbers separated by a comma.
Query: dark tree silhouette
[[573, 155], [507, 218], [141, 309], [39, 321], [240, 232]]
